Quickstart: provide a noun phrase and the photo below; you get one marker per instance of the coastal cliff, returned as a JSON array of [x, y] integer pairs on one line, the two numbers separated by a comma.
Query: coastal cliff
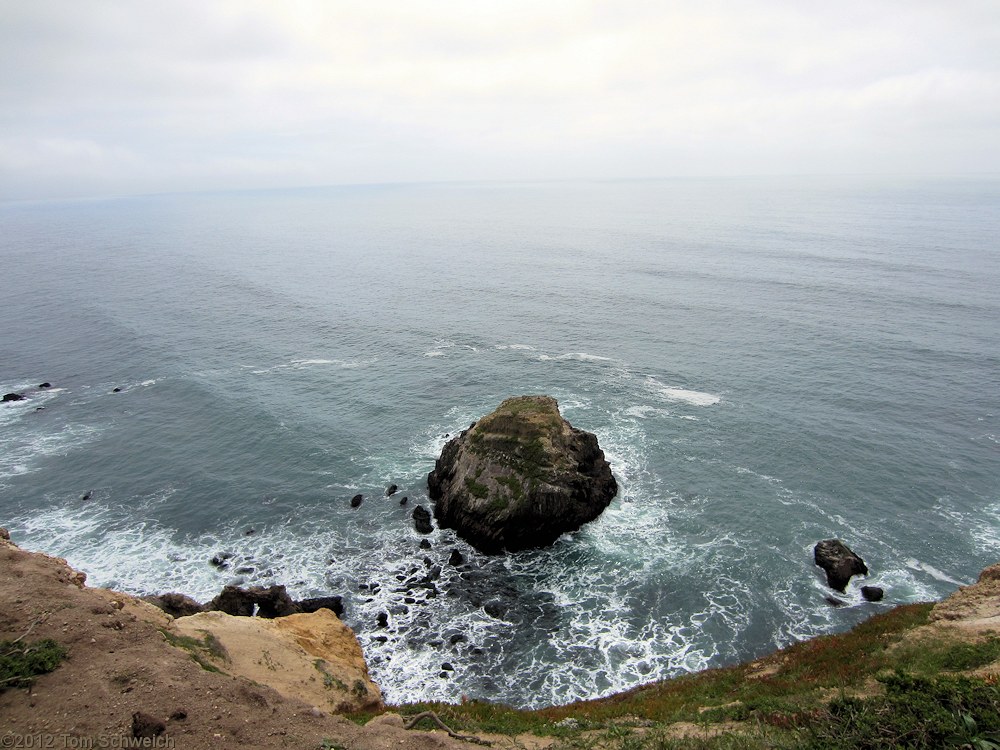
[[129, 671]]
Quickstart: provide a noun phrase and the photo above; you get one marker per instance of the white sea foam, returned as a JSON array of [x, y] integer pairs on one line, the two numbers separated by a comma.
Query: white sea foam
[[515, 347], [939, 575], [672, 393], [434, 353], [304, 364], [22, 451], [645, 412], [577, 357]]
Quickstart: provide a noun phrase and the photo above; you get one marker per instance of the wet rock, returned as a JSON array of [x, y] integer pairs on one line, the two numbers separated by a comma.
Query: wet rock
[[839, 562], [382, 619], [221, 560], [520, 477], [456, 558], [456, 639], [249, 531], [270, 602], [45, 385], [356, 500], [425, 544], [422, 520], [175, 605], [495, 609], [333, 603], [404, 501], [8, 397], [391, 490], [447, 667], [872, 593], [116, 390], [87, 495], [834, 601]]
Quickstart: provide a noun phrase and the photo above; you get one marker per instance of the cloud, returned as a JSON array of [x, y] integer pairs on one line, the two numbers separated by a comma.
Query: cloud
[[124, 97]]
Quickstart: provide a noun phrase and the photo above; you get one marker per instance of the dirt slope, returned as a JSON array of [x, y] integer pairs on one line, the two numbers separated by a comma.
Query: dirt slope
[[119, 663]]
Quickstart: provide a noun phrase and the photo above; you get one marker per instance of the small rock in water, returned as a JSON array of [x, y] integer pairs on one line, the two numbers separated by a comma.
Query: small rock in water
[[87, 495], [382, 618], [249, 531], [45, 385], [422, 520], [391, 490], [356, 500], [447, 667], [425, 544], [456, 558], [221, 559], [8, 397], [404, 501], [834, 601], [839, 562], [116, 390], [872, 593]]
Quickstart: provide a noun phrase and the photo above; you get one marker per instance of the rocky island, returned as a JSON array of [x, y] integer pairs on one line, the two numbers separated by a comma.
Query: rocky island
[[520, 477]]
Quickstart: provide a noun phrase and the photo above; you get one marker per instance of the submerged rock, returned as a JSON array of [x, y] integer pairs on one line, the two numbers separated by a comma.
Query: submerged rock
[[8, 397], [520, 477], [391, 490], [839, 562], [356, 500]]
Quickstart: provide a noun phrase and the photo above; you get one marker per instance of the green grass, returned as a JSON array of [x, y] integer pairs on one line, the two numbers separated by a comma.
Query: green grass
[[199, 648], [914, 712], [21, 662], [941, 655]]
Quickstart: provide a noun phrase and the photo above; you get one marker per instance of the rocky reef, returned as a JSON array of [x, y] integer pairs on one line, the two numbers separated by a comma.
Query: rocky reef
[[520, 477]]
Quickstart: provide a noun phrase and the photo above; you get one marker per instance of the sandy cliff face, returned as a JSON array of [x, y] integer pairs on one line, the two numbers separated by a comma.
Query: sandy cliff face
[[313, 657], [520, 477], [121, 660]]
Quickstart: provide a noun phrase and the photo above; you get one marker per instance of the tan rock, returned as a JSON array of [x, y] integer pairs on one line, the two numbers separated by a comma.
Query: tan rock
[[973, 606], [313, 657]]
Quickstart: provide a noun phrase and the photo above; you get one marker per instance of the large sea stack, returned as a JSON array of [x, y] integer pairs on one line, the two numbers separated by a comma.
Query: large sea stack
[[520, 477]]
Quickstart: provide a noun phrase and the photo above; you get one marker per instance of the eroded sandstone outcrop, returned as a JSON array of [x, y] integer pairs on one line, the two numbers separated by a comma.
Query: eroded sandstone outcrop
[[313, 657], [520, 477]]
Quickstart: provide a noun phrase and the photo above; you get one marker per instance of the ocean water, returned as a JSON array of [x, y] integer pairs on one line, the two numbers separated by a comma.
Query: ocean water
[[766, 363]]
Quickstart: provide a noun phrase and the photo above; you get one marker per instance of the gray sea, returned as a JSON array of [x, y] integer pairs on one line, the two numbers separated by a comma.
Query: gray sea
[[766, 363]]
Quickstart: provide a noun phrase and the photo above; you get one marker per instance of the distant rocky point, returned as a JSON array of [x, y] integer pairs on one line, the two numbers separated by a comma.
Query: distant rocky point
[[520, 477]]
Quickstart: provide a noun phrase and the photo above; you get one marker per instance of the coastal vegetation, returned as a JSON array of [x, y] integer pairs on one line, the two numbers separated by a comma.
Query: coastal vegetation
[[22, 661], [886, 683]]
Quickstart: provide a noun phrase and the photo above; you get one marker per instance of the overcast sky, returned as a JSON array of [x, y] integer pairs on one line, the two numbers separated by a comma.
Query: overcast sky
[[100, 97]]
